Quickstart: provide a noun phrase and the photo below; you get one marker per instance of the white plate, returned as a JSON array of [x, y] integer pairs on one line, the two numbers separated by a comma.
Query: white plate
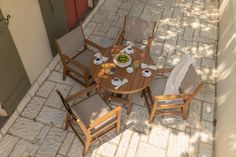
[[115, 81], [130, 70], [146, 73], [97, 61]]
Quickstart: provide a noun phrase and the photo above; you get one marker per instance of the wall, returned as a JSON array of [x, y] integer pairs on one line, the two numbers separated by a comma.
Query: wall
[[226, 83], [29, 34]]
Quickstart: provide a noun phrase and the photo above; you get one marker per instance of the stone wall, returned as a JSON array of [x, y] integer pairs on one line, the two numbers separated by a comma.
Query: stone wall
[[226, 83]]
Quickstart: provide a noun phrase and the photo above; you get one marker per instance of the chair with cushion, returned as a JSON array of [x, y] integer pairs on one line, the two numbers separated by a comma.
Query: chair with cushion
[[137, 31], [176, 104], [75, 55], [91, 115]]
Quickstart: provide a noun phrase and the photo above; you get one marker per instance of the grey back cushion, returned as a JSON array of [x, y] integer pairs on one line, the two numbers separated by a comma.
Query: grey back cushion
[[72, 42], [136, 28], [190, 81]]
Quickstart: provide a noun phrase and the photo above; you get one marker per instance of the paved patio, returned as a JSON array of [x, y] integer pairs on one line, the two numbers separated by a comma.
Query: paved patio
[[186, 26]]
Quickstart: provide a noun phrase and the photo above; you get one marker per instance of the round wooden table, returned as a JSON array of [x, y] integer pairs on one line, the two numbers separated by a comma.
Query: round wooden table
[[136, 82]]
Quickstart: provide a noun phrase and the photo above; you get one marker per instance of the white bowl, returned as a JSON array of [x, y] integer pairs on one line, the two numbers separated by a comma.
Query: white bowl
[[115, 81], [122, 65], [146, 73]]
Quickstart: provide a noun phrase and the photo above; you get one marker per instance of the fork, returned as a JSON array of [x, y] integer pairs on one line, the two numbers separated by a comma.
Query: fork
[[124, 81]]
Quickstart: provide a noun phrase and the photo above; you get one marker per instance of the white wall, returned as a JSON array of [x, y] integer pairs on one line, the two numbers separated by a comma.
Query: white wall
[[226, 83], [29, 34]]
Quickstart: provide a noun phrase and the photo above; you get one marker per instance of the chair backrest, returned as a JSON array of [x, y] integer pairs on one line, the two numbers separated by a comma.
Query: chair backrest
[[71, 42], [136, 28], [67, 106], [190, 82]]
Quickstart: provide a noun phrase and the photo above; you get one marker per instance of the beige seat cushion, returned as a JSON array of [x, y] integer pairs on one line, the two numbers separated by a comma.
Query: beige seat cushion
[[157, 87], [91, 109], [85, 58]]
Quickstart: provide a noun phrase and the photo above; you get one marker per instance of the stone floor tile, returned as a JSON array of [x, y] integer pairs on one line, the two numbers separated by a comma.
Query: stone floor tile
[[33, 108], [67, 143], [76, 149], [107, 149], [7, 144], [123, 146], [57, 77], [205, 150], [194, 117], [26, 129], [51, 116], [137, 122], [24, 149], [136, 10], [207, 93], [148, 150], [46, 89], [54, 100], [43, 134], [133, 145], [52, 143], [207, 132], [175, 122], [178, 144], [208, 112], [159, 136]]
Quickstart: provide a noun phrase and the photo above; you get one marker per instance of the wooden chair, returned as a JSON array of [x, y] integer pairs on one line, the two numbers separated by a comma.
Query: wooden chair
[[159, 104], [92, 115], [137, 31], [75, 55]]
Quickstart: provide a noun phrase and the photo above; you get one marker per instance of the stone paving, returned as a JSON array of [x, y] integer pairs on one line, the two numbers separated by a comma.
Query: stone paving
[[186, 26]]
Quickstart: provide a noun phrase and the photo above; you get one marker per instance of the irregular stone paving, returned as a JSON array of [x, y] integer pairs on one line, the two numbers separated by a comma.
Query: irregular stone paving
[[185, 26]]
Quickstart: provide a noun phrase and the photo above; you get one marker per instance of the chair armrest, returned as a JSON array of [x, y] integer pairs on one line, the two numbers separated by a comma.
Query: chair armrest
[[81, 92], [115, 112], [172, 97], [120, 38], [89, 42], [164, 70], [68, 59]]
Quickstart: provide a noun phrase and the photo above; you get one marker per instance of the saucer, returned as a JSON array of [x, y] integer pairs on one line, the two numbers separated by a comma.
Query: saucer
[[146, 73], [130, 70], [129, 50], [115, 81], [97, 61]]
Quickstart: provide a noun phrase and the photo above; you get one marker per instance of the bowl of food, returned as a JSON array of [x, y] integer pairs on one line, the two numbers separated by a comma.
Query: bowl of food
[[122, 60]]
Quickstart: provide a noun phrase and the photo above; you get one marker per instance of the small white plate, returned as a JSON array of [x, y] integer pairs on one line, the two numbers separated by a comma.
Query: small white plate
[[115, 81], [97, 61], [146, 73], [130, 70]]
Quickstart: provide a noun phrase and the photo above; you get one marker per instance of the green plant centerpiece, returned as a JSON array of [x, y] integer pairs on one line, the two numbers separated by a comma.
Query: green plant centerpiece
[[122, 60]]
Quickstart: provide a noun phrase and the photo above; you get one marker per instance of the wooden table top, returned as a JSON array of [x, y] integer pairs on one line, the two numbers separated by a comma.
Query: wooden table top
[[136, 81]]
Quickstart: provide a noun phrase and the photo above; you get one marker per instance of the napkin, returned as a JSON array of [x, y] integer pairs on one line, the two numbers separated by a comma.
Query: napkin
[[145, 66], [99, 55]]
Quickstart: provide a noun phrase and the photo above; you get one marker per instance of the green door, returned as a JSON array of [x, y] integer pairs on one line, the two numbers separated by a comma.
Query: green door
[[54, 16], [14, 81]]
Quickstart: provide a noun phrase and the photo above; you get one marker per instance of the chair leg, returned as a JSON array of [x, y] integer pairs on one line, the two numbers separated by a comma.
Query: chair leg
[[142, 94], [185, 111], [118, 125], [152, 114], [86, 146], [68, 117], [65, 71], [129, 104], [86, 80]]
